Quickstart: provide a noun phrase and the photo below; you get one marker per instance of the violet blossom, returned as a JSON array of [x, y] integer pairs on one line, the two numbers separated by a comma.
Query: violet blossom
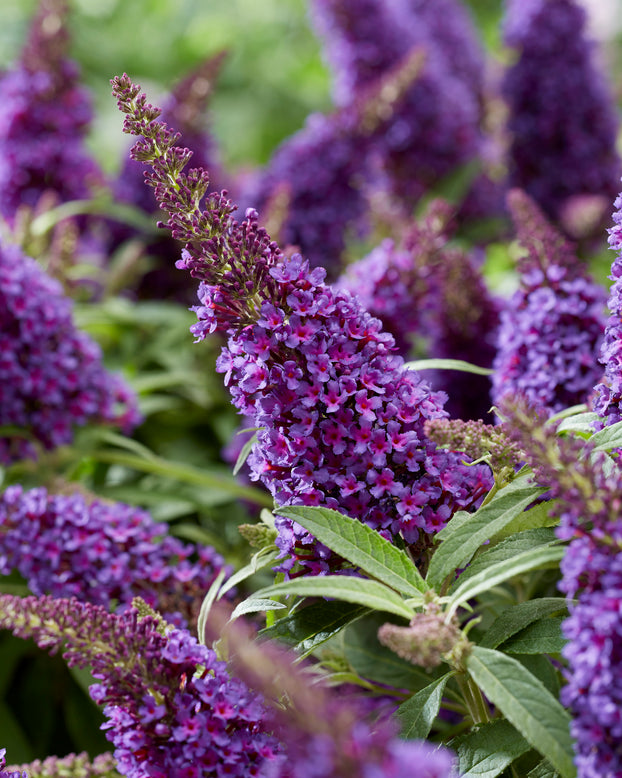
[[102, 552], [341, 420], [44, 120], [562, 117], [586, 493], [52, 374], [552, 328]]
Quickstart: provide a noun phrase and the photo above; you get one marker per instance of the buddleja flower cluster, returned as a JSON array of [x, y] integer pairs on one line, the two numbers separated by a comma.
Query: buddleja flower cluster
[[71, 766], [341, 419], [44, 119], [102, 552], [431, 292], [563, 123], [52, 374], [608, 392], [437, 127], [589, 494], [171, 707], [552, 328]]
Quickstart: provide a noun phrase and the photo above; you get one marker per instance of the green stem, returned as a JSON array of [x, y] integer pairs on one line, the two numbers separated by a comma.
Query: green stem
[[186, 473], [473, 699]]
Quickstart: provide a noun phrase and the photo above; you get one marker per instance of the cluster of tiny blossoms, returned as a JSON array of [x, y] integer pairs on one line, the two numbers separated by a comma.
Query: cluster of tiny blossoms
[[341, 420], [428, 292], [44, 120], [437, 126], [70, 766], [52, 374], [101, 552], [171, 707], [609, 392], [587, 494], [563, 123], [552, 328]]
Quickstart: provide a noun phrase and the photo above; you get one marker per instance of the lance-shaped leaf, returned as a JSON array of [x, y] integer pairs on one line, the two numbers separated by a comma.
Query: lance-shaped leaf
[[541, 637], [533, 559], [361, 545], [307, 628], [526, 703], [417, 714], [458, 547], [362, 591], [518, 617], [487, 751]]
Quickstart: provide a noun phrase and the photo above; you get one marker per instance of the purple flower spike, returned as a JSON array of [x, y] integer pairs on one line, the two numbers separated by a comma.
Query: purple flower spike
[[551, 331], [171, 707], [308, 364], [44, 120], [563, 121], [52, 375], [101, 552]]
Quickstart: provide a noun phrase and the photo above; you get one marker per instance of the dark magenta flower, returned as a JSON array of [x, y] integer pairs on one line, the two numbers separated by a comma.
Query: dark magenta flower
[[562, 117], [44, 120], [52, 374]]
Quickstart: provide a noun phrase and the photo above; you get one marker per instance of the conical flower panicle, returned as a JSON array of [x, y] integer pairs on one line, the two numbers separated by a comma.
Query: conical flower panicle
[[44, 120], [101, 552], [341, 420], [70, 766], [562, 117], [52, 374], [169, 703], [586, 495], [552, 328]]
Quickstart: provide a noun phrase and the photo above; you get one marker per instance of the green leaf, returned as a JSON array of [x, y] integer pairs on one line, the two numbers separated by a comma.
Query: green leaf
[[608, 438], [361, 545], [543, 770], [447, 364], [580, 422], [526, 703], [506, 549], [378, 663], [13, 735], [486, 752], [520, 616], [533, 559], [537, 517], [245, 451], [255, 605], [541, 637], [361, 591], [417, 714], [542, 667], [307, 628], [458, 546]]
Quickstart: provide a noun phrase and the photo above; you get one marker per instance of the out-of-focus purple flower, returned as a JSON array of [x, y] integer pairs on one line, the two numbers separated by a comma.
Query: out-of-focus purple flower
[[101, 552], [437, 127], [320, 172], [587, 496], [551, 331], [562, 117], [609, 391], [52, 374], [45, 117], [341, 419], [433, 293], [171, 707], [326, 734]]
